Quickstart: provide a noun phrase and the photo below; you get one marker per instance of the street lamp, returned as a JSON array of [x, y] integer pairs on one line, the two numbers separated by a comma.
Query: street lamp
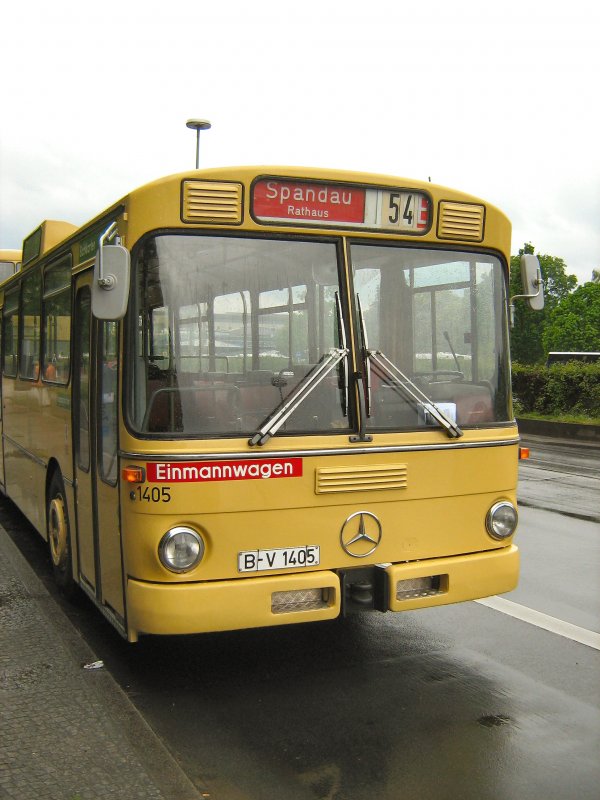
[[198, 125]]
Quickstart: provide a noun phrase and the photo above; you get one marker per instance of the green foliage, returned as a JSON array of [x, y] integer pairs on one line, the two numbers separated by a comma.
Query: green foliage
[[575, 323], [527, 346], [572, 388]]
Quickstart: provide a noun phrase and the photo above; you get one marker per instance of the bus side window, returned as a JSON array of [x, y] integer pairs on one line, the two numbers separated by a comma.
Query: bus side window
[[56, 322], [31, 314], [10, 328]]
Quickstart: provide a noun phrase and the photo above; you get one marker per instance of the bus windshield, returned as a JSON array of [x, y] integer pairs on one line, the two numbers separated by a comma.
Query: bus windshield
[[227, 327], [231, 328]]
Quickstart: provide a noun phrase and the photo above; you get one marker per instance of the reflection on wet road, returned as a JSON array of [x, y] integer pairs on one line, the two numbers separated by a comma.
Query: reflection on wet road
[[452, 703]]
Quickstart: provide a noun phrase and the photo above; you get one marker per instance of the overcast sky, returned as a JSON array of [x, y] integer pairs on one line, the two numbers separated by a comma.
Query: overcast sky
[[499, 100]]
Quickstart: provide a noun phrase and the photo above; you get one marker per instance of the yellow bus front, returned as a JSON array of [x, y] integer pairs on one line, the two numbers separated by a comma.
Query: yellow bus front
[[316, 398]]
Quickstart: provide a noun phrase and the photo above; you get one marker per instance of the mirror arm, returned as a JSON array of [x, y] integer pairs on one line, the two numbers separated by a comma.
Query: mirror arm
[[537, 282], [110, 284], [106, 281]]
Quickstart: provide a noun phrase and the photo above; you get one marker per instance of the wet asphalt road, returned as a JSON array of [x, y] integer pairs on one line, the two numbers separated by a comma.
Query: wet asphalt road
[[456, 702]]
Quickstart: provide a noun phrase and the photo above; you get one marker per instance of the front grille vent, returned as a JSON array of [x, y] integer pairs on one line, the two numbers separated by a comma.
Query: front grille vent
[[210, 201], [361, 479], [460, 221]]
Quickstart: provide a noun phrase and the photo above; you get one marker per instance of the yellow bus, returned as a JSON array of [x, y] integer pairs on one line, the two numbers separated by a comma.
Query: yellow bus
[[259, 396], [10, 262]]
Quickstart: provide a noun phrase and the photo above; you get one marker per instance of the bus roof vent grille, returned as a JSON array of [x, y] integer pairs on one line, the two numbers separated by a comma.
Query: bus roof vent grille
[[461, 221], [211, 201], [361, 479]]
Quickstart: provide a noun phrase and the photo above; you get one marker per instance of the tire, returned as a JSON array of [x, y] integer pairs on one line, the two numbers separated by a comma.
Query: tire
[[59, 536]]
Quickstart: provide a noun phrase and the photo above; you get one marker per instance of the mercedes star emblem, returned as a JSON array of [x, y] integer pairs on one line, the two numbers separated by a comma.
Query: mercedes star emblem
[[361, 534]]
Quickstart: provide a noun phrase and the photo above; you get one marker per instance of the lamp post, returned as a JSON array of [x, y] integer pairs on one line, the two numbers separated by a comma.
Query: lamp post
[[198, 125]]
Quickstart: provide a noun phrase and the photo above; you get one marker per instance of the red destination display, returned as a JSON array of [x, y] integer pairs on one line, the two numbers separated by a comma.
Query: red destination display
[[206, 471], [300, 201]]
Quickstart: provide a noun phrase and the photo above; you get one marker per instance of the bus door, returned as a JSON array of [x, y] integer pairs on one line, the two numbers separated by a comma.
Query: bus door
[[3, 307], [95, 426]]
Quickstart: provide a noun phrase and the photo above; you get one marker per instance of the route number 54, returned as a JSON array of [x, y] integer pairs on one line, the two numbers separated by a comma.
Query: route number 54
[[400, 210]]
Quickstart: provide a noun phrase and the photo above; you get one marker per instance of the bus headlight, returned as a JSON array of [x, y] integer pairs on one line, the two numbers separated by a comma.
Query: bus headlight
[[180, 549], [501, 520]]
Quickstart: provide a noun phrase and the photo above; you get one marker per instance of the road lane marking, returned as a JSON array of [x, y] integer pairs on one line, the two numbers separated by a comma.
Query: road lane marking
[[573, 632]]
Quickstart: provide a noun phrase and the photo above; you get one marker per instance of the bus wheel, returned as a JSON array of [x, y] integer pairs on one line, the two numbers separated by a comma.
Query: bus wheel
[[59, 538]]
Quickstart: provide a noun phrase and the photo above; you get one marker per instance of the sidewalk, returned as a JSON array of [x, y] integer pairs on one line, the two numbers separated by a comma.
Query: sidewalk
[[67, 733]]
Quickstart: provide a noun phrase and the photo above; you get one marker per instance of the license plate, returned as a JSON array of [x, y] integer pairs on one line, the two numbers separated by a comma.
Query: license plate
[[281, 558]]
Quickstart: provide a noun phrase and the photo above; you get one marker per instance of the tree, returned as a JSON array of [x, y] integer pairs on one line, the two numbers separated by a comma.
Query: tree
[[596, 276], [575, 323], [527, 345]]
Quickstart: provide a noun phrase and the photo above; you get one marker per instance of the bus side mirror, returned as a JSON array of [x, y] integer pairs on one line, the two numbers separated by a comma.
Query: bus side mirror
[[110, 287], [531, 278], [533, 287]]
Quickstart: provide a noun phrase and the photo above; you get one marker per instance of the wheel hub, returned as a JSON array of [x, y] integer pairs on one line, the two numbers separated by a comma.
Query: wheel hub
[[57, 531]]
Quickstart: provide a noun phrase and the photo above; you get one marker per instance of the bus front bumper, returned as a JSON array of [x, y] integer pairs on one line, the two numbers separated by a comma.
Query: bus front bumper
[[185, 608]]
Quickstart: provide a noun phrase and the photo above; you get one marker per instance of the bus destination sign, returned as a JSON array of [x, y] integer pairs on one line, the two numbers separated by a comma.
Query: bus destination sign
[[346, 205], [309, 201]]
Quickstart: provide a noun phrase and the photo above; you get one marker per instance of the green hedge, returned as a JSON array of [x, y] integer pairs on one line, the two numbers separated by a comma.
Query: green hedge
[[572, 388]]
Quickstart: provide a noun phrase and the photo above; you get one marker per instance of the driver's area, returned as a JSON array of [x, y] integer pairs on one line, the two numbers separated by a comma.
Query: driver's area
[[433, 329]]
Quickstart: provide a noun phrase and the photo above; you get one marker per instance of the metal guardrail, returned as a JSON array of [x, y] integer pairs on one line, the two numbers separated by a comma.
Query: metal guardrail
[[560, 430]]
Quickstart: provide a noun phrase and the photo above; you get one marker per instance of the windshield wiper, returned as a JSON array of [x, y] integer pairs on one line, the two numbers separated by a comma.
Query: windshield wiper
[[310, 381], [344, 343], [365, 357], [400, 382], [298, 395]]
